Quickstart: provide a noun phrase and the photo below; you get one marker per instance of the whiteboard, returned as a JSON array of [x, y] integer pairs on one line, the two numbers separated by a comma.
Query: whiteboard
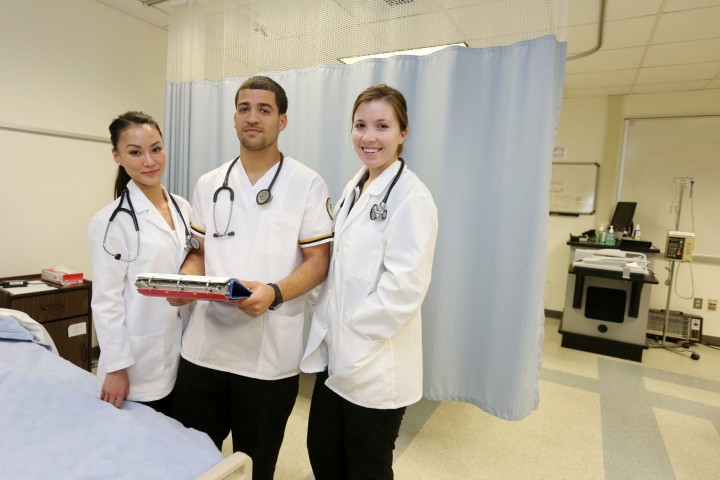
[[656, 151], [573, 188]]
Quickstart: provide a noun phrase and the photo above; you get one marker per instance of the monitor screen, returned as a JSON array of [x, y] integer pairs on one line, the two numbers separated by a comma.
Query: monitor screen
[[623, 217]]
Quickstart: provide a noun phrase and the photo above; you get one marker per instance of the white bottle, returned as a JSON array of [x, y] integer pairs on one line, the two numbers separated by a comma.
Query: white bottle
[[610, 241], [636, 233], [601, 235]]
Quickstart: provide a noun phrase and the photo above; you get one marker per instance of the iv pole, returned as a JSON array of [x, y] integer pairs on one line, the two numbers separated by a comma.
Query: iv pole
[[682, 183]]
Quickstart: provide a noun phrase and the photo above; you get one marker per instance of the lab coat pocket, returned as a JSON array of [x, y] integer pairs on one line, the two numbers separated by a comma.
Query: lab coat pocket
[[361, 252], [149, 359], [359, 266], [359, 368]]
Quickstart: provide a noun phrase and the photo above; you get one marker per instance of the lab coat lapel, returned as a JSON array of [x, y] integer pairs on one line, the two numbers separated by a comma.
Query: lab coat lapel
[[371, 196], [345, 215], [178, 221], [147, 214]]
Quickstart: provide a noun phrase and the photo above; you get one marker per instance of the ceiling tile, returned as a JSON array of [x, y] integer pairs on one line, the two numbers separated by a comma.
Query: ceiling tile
[[599, 79], [597, 92], [669, 87], [505, 19], [688, 25], [628, 33], [682, 53], [607, 60], [583, 12], [581, 38], [150, 14], [674, 5], [623, 9], [678, 73]]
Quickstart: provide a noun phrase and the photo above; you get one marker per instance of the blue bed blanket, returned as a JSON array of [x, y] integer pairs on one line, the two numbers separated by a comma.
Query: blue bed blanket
[[54, 426]]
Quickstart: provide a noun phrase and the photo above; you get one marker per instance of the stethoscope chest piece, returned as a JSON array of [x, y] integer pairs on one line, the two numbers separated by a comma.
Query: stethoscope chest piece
[[264, 196], [378, 212], [193, 243]]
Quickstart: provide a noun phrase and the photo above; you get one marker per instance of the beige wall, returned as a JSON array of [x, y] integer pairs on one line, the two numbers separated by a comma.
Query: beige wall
[[592, 130], [68, 66]]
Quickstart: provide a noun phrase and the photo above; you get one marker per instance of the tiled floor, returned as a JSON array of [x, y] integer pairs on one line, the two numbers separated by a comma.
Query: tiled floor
[[599, 418]]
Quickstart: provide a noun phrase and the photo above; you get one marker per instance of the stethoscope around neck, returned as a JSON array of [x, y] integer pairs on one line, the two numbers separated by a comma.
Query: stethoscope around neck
[[191, 243], [377, 211], [263, 197]]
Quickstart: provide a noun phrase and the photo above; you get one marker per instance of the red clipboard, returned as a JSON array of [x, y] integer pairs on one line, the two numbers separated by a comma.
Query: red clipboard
[[195, 287]]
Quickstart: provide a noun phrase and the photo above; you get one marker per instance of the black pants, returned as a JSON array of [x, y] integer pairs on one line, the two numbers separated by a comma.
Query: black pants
[[163, 405], [346, 441], [256, 411]]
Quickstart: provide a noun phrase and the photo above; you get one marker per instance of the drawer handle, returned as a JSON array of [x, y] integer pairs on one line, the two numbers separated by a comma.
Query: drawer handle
[[53, 307]]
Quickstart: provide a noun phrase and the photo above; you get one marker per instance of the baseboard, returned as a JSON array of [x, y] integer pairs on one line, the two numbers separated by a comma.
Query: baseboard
[[602, 346], [553, 314], [707, 339]]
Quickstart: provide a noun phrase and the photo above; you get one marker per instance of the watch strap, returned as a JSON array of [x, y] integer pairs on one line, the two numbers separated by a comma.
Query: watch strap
[[277, 303]]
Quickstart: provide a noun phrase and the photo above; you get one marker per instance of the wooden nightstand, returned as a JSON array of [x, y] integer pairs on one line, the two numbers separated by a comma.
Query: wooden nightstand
[[63, 311]]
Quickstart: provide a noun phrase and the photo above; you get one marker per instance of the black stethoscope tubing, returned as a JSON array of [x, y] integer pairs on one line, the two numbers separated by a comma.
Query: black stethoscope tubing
[[378, 211], [263, 197], [191, 243]]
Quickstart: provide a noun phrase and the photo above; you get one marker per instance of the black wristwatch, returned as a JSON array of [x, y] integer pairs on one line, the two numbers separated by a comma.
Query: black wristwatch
[[278, 297]]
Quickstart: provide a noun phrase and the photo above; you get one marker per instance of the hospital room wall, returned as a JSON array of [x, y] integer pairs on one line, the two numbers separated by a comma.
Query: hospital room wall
[[592, 131], [68, 67]]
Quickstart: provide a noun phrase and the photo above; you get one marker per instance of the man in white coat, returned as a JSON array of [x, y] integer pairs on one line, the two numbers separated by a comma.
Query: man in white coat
[[261, 218]]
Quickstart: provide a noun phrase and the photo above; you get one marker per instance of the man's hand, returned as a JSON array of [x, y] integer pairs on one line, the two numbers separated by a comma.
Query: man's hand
[[179, 302], [259, 301]]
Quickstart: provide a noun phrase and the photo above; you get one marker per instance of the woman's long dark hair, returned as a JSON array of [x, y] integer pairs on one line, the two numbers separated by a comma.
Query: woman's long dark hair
[[122, 122]]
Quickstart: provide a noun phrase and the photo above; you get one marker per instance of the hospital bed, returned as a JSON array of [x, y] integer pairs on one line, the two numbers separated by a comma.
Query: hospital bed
[[54, 426]]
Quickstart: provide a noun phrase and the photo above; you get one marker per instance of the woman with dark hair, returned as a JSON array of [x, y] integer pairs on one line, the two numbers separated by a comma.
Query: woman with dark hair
[[365, 339], [143, 230]]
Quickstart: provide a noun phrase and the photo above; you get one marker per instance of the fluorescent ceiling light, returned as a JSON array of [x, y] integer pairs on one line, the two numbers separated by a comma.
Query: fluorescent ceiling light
[[414, 51]]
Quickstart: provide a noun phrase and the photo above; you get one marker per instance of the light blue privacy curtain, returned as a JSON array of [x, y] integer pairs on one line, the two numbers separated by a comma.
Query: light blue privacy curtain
[[482, 131]]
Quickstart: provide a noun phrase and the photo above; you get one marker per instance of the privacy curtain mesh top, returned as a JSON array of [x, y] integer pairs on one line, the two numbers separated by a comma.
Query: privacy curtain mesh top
[[216, 39]]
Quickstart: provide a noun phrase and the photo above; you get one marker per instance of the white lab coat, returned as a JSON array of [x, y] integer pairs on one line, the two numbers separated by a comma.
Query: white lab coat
[[367, 327], [137, 332]]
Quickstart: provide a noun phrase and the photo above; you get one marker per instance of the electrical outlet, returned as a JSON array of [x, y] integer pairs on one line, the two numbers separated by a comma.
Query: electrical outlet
[[712, 304], [697, 303]]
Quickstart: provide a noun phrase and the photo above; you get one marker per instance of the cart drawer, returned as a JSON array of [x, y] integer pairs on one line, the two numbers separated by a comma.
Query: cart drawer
[[63, 303]]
